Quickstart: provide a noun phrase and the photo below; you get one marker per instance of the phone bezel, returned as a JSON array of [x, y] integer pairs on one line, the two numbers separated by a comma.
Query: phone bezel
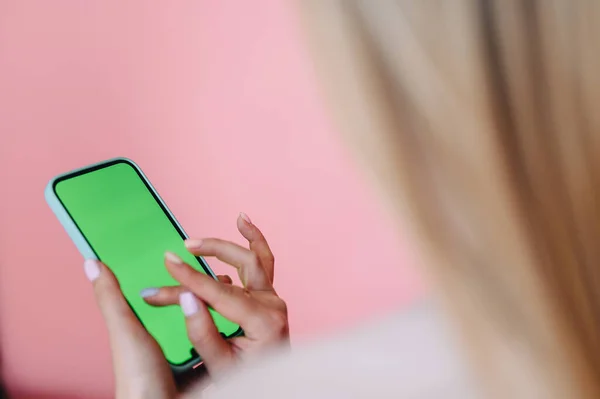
[[86, 249]]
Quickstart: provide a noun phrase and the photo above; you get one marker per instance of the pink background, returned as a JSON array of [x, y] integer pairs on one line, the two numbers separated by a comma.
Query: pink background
[[217, 101]]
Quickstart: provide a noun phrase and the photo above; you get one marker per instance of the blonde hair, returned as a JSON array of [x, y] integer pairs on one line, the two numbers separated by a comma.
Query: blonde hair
[[478, 120]]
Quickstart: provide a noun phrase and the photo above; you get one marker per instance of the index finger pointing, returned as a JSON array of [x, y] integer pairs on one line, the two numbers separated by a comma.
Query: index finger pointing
[[226, 299]]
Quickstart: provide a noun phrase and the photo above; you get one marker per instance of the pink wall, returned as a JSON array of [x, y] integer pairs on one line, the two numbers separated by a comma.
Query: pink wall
[[216, 100]]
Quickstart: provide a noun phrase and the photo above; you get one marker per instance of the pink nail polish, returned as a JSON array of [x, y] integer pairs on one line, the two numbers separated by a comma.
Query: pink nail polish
[[188, 303], [91, 269], [171, 257], [149, 292], [245, 217], [193, 244]]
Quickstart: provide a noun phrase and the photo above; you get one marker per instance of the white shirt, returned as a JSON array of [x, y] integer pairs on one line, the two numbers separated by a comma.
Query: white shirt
[[409, 355]]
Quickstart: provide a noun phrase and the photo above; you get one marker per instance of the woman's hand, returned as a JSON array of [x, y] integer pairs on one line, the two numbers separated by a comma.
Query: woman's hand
[[141, 370], [255, 306]]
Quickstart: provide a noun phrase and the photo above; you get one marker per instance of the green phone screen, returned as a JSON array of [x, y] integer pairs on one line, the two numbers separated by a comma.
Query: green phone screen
[[129, 231]]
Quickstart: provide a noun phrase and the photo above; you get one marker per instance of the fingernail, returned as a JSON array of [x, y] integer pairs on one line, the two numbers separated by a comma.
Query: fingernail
[[245, 217], [171, 257], [91, 269], [193, 244], [188, 303], [148, 292]]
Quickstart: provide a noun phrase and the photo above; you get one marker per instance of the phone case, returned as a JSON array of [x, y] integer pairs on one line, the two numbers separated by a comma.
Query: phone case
[[86, 250]]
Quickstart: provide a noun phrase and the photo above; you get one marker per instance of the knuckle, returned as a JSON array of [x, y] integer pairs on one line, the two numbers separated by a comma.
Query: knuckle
[[276, 324], [269, 258], [282, 306], [225, 291]]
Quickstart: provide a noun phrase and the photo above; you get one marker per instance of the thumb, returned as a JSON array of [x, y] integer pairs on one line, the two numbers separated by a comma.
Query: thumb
[[137, 357], [118, 316]]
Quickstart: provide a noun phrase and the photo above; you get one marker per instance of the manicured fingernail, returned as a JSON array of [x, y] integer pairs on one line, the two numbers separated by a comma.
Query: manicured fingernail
[[171, 257], [188, 303], [91, 269], [245, 217], [193, 244], [148, 292]]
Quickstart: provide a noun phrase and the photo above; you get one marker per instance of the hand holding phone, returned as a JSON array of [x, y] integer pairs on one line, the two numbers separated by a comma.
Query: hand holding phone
[[140, 366], [113, 214]]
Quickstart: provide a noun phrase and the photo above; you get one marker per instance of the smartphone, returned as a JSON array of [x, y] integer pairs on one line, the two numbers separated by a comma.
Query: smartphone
[[112, 213]]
